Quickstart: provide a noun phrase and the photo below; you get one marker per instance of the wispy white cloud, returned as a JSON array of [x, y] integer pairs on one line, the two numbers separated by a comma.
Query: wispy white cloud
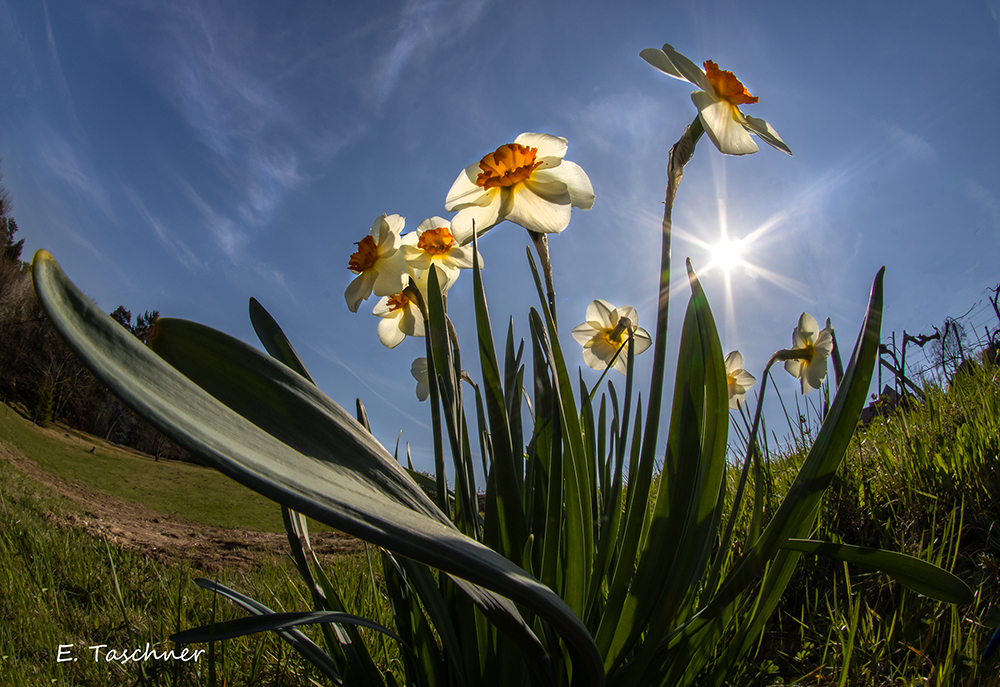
[[58, 77], [62, 159], [422, 24], [168, 238]]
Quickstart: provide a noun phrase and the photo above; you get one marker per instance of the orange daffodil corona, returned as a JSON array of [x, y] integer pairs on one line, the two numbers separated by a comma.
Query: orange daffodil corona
[[606, 330], [718, 102], [817, 345], [527, 182]]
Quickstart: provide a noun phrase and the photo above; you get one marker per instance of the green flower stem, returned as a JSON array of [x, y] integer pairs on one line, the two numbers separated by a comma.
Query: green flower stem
[[541, 242], [680, 155]]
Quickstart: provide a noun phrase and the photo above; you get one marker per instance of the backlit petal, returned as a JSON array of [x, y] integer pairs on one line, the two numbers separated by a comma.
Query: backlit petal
[[389, 332], [547, 145], [600, 311], [726, 133], [581, 191], [659, 60], [483, 216], [535, 213], [391, 273], [688, 69], [359, 289], [766, 133], [465, 190]]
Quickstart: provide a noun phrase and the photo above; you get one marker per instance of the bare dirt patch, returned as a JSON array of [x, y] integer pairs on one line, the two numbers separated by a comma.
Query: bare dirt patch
[[166, 537]]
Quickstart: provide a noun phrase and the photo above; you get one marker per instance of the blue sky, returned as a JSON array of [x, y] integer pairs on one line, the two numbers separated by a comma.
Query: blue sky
[[183, 156]]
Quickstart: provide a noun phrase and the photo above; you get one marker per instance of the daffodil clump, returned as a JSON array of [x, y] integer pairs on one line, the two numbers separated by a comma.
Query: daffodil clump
[[582, 567]]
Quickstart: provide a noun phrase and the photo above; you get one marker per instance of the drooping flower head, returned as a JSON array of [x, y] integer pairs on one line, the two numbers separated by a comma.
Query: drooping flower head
[[607, 328], [718, 102], [817, 345], [377, 262], [400, 318], [433, 244], [739, 380], [527, 182]]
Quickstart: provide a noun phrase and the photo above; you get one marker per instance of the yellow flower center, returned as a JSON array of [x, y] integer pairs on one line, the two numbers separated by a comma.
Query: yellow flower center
[[510, 164], [366, 256], [398, 301], [436, 241], [617, 336], [810, 353], [727, 86]]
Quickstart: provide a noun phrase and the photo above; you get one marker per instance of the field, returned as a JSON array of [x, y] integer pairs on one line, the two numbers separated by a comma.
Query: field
[[81, 564]]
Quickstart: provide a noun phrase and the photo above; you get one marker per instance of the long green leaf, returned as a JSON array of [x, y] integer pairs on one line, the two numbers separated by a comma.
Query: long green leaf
[[920, 576], [285, 439]]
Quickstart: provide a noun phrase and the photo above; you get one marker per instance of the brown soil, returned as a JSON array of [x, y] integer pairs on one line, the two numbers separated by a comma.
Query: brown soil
[[167, 537]]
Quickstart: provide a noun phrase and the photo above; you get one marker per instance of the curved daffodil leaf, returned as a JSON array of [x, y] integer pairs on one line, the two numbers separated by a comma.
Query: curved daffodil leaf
[[283, 438], [294, 637], [274, 621], [920, 576]]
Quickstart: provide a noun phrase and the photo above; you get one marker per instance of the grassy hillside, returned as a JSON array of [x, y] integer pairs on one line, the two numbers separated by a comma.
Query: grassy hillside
[[924, 481], [188, 491]]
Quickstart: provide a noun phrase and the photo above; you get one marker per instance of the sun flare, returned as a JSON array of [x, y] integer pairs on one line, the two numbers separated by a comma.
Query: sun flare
[[726, 255]]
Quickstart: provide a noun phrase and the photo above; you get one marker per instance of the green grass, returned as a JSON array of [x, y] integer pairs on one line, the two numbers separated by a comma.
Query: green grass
[[924, 481], [192, 492], [58, 587]]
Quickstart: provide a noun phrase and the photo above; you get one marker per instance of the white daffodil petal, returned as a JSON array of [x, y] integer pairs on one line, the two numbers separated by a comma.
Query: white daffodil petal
[[629, 312], [393, 223], [688, 69], [642, 340], [734, 362], [548, 188], [582, 333], [359, 289], [389, 332], [726, 133], [766, 133], [658, 59], [546, 144], [745, 379], [484, 218], [537, 214], [465, 190], [391, 275], [600, 311], [581, 191]]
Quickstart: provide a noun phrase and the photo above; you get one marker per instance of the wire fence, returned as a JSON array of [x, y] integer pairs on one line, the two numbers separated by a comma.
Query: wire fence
[[932, 355]]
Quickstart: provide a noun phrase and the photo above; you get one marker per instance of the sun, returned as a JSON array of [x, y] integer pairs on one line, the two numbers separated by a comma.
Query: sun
[[726, 255]]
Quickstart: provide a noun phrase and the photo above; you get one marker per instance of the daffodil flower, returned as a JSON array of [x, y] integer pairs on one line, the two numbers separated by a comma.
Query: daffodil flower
[[818, 345], [400, 318], [419, 371], [604, 332], [527, 182], [378, 263], [433, 244], [718, 102], [739, 380]]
